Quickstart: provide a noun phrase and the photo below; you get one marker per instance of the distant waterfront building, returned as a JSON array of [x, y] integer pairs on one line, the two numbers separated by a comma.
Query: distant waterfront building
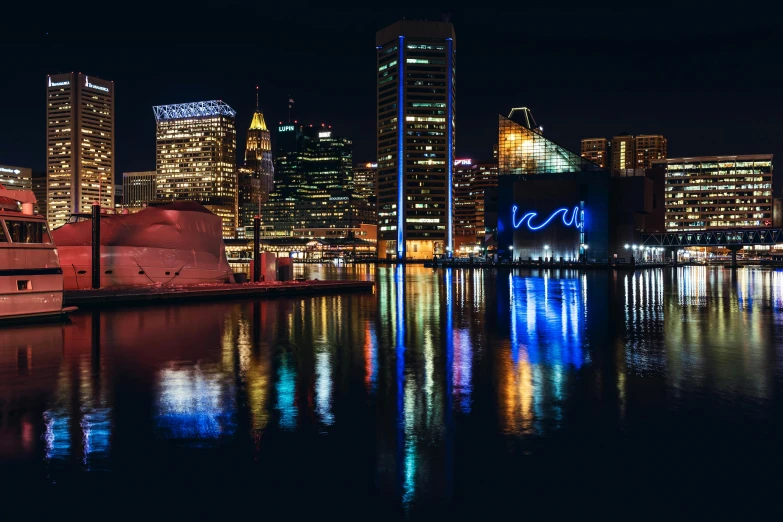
[[471, 181], [118, 195], [139, 188], [551, 203], [16, 177], [365, 180], [314, 182], [415, 69], [196, 157], [711, 192], [256, 177], [79, 144], [625, 155], [39, 189], [596, 150], [523, 149], [649, 148]]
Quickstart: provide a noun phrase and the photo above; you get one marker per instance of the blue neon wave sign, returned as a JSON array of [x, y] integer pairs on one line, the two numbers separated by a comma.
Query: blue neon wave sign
[[576, 219]]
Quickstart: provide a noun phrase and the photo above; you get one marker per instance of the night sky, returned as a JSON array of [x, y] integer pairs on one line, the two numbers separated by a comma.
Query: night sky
[[709, 80]]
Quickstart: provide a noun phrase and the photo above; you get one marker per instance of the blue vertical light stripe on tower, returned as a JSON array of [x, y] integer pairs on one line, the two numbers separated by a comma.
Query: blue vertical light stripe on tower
[[400, 151], [450, 147]]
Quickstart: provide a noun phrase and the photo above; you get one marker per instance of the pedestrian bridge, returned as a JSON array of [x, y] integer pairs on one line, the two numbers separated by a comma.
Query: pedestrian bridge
[[718, 238]]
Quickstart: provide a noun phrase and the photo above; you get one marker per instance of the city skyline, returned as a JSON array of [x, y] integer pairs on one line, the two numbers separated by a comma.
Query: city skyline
[[696, 115]]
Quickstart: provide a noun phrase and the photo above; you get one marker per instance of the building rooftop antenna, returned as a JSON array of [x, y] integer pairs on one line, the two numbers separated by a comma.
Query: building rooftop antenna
[[529, 121]]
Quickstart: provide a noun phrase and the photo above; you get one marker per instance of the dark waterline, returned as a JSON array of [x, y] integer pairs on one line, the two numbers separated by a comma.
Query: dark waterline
[[532, 394]]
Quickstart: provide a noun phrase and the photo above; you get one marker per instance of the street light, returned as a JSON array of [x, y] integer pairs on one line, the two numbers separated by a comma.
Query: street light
[[511, 247], [634, 247], [627, 246], [546, 247]]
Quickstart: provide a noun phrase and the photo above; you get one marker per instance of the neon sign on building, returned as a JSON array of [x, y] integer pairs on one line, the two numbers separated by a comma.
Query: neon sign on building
[[571, 217]]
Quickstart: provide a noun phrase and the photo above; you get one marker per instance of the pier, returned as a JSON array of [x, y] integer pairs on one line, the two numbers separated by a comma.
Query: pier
[[150, 294]]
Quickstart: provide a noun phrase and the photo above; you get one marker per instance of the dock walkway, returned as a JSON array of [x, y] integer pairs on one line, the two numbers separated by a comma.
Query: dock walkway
[[135, 294]]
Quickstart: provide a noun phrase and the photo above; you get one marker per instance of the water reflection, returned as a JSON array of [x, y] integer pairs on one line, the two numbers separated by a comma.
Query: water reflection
[[418, 392]]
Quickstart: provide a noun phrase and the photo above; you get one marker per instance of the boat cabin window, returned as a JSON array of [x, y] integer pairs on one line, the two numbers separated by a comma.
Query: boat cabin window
[[30, 232], [2, 234]]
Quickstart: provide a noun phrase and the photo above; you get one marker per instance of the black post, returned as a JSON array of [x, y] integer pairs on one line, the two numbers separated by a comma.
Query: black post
[[96, 245], [256, 249]]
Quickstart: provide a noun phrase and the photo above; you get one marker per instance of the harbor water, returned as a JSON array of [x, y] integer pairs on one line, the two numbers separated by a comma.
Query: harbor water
[[468, 394]]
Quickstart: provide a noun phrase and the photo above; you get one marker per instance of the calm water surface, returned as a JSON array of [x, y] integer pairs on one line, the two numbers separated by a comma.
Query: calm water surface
[[467, 394]]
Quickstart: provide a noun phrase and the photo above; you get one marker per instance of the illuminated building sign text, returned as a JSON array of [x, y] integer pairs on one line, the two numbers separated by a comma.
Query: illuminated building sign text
[[58, 84], [93, 86], [285, 128], [467, 161]]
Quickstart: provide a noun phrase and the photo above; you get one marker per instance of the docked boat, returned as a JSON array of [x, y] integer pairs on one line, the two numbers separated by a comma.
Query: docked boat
[[176, 244], [31, 280]]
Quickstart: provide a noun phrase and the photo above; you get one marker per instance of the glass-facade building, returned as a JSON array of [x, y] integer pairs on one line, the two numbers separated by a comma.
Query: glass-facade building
[[196, 157], [524, 150], [416, 99], [79, 145], [314, 182], [717, 192]]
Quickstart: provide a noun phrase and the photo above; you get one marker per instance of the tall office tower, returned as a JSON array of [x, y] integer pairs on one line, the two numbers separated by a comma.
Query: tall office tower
[[471, 181], [596, 150], [258, 157], [138, 188], [649, 148], [79, 144], [717, 192], [365, 179], [314, 182], [196, 157], [623, 155], [416, 112]]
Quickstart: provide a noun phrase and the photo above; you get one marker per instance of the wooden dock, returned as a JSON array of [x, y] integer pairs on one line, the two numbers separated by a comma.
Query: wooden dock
[[153, 294]]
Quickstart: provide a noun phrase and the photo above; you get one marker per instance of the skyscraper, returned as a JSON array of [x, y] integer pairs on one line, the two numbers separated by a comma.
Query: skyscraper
[[79, 144], [256, 178], [416, 111], [138, 188], [196, 157], [471, 181]]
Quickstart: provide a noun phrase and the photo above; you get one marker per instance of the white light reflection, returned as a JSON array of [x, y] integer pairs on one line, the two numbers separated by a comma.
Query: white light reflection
[[323, 387]]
